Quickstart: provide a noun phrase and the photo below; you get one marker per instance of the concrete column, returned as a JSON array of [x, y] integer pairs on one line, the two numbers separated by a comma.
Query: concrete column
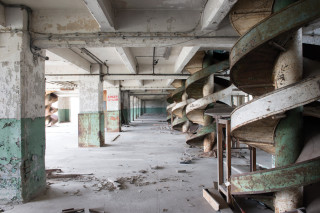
[[135, 107], [113, 110], [139, 107], [22, 114], [131, 108], [126, 107], [64, 109], [91, 116]]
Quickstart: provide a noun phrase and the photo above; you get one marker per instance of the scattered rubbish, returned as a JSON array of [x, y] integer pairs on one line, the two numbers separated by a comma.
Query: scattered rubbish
[[164, 210], [157, 167], [50, 173], [72, 210], [181, 171], [115, 138], [186, 162], [96, 211], [140, 190], [143, 171], [77, 193]]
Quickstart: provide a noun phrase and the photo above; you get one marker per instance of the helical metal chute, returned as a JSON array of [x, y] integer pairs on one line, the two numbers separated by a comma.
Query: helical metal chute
[[267, 63]]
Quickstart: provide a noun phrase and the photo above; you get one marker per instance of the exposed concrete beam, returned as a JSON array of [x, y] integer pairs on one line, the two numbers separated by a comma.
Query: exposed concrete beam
[[94, 40], [2, 17], [102, 11], [114, 77], [311, 39], [184, 57], [147, 88], [144, 77], [214, 12], [127, 58], [140, 82], [72, 57]]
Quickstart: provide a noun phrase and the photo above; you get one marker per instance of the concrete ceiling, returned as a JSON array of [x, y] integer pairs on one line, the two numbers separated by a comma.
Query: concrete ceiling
[[50, 5], [124, 34], [158, 5]]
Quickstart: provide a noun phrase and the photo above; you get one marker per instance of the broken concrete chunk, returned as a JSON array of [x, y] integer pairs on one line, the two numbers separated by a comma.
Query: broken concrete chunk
[[157, 167]]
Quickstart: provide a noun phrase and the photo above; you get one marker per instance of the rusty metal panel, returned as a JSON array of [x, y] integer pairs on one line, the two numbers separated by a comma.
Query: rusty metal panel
[[277, 179]]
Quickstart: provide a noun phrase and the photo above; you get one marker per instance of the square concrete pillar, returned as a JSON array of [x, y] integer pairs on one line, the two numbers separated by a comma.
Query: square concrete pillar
[[131, 108], [125, 107], [113, 110], [91, 116], [64, 109], [22, 115]]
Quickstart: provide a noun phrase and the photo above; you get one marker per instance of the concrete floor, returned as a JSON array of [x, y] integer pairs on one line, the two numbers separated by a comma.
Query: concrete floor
[[145, 159]]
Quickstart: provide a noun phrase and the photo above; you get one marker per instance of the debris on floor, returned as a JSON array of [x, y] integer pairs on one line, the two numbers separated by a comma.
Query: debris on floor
[[115, 138], [186, 162], [52, 174], [157, 167], [96, 211], [181, 171], [72, 210]]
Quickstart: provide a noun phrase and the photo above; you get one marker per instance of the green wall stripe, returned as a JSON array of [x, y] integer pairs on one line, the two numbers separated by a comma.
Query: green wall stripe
[[64, 115]]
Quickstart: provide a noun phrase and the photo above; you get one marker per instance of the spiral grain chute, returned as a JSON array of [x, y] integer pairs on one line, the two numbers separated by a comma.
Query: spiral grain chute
[[199, 86], [50, 98], [180, 122], [267, 63], [171, 104]]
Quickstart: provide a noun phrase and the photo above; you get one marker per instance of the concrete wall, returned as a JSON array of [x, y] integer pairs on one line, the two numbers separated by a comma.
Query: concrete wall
[[155, 106]]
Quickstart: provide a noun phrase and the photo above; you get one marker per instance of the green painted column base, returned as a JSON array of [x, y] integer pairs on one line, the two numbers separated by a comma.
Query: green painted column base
[[64, 115], [131, 114], [113, 121], [22, 162], [125, 116], [156, 110], [91, 129]]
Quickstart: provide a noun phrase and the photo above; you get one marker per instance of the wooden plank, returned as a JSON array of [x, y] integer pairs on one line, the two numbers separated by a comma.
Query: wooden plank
[[213, 203], [253, 159], [220, 155], [224, 207], [228, 158]]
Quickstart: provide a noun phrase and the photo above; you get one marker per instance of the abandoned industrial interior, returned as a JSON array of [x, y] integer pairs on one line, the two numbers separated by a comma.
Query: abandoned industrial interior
[[150, 106]]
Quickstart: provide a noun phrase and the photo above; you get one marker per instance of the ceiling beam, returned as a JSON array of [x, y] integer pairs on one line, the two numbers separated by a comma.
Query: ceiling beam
[[72, 57], [124, 88], [129, 61], [127, 58], [214, 12], [96, 40], [115, 77], [184, 57], [102, 11], [311, 39]]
